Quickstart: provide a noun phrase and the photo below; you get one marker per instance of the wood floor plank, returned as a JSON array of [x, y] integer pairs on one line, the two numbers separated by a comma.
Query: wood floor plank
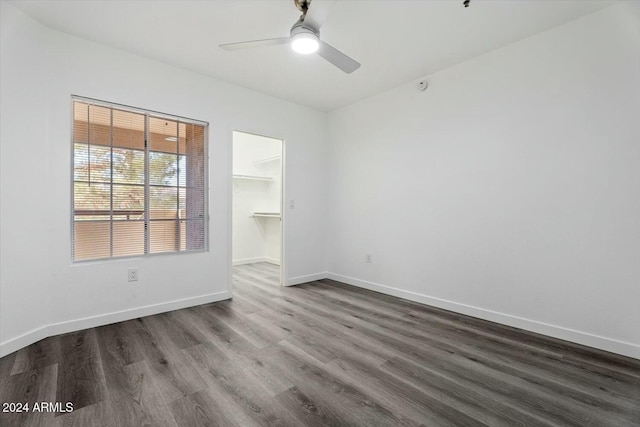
[[562, 349], [180, 333], [261, 274], [97, 415], [6, 364], [493, 343], [248, 393], [320, 353], [327, 343], [117, 345], [343, 339], [142, 401], [308, 412], [406, 399], [127, 382], [229, 383], [494, 350], [201, 409], [310, 341], [245, 306], [321, 385], [535, 399], [222, 336], [30, 387], [38, 355], [81, 380], [268, 376], [168, 365], [254, 332]]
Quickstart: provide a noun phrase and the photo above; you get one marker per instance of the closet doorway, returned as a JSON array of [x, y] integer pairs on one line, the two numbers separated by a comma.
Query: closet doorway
[[257, 222]]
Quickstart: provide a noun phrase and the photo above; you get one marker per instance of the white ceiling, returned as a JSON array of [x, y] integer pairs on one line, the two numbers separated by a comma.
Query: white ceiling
[[395, 41]]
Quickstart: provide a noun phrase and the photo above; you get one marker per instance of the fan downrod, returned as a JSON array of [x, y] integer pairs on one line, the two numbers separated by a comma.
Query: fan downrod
[[303, 6]]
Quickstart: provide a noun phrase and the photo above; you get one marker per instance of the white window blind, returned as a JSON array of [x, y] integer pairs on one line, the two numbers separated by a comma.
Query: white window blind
[[139, 182]]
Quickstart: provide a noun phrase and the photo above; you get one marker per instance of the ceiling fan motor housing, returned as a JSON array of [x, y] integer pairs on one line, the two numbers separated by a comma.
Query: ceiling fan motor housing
[[300, 27], [304, 39]]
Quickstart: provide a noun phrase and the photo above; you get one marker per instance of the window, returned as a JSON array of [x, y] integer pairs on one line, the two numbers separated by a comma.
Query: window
[[138, 182]]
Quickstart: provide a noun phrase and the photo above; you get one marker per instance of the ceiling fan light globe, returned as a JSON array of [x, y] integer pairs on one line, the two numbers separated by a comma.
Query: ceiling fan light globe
[[305, 43]]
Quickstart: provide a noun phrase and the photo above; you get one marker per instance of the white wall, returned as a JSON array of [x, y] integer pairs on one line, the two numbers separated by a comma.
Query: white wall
[[42, 292], [256, 239], [509, 190], [24, 177]]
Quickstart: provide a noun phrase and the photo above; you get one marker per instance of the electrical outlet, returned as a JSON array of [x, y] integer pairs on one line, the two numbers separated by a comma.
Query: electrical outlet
[[133, 275], [292, 204], [367, 258]]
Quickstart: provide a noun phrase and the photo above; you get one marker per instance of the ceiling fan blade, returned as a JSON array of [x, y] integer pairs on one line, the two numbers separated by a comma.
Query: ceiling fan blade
[[318, 12], [337, 58], [255, 43]]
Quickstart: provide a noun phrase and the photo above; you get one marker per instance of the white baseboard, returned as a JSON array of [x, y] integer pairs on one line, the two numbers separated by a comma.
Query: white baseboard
[[243, 261], [304, 279], [584, 338], [579, 337], [274, 261], [21, 341]]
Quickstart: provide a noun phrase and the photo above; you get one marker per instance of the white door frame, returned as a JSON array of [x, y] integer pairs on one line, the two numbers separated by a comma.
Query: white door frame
[[283, 222]]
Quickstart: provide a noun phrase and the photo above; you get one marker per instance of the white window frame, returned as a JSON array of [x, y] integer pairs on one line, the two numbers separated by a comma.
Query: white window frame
[[148, 114]]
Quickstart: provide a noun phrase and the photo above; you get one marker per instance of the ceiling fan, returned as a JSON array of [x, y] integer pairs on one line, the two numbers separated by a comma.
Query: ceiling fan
[[304, 38]]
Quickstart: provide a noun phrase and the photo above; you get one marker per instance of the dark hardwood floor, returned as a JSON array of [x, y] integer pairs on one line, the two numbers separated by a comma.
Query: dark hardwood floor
[[318, 354]]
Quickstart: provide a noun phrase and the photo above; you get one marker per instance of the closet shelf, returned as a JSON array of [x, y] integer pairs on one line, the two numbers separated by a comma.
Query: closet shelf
[[267, 160], [266, 215], [253, 178]]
